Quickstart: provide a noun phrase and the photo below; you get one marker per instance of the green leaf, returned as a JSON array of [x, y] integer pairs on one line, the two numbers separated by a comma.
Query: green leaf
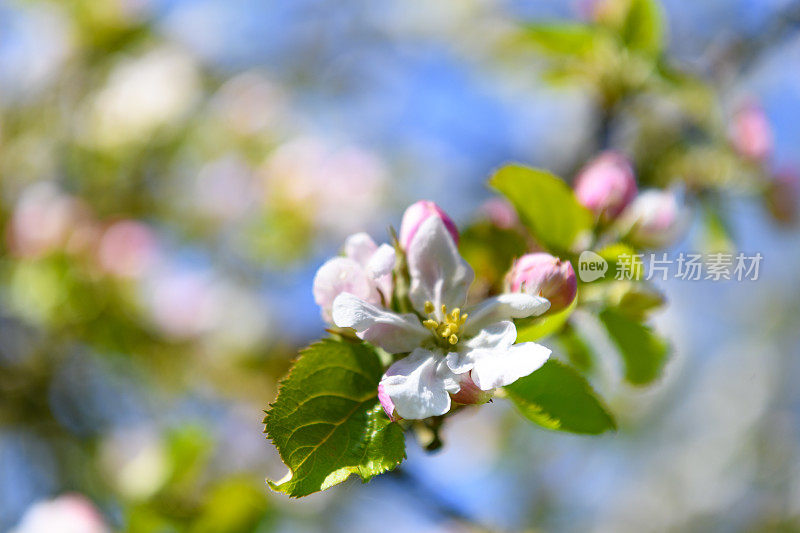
[[643, 30], [576, 349], [643, 352], [545, 204], [541, 327], [491, 250], [327, 422], [557, 397], [570, 39]]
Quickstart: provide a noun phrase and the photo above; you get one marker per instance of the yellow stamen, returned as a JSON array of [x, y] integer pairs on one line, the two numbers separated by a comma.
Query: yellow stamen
[[429, 307], [431, 324], [452, 339], [463, 319]]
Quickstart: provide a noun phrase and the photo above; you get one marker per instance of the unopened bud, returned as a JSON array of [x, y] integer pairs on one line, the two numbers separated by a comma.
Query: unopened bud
[[751, 133], [541, 274], [418, 213], [655, 219], [606, 185]]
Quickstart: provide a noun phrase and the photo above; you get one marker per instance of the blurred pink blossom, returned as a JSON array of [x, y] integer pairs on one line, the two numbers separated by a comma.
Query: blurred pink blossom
[[69, 513], [127, 249], [500, 213], [323, 181], [225, 188], [42, 220], [606, 185], [655, 219], [249, 103], [181, 303], [751, 133]]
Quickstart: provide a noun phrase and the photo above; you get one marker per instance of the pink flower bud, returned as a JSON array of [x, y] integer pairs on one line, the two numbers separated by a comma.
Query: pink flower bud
[[606, 185], [386, 403], [500, 213], [470, 393], [751, 133], [418, 213], [545, 275], [655, 219]]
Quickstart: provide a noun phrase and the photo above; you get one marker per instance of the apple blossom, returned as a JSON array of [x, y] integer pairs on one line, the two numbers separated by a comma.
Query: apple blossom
[[445, 346], [655, 219], [606, 185], [544, 275], [416, 214], [364, 271]]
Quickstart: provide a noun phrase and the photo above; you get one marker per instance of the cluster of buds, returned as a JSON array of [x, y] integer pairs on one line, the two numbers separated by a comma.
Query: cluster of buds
[[607, 187]]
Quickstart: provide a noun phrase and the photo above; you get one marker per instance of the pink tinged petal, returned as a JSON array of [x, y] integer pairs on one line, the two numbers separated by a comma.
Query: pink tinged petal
[[340, 275], [386, 403], [392, 332], [419, 385], [470, 393], [438, 273], [504, 307], [360, 248], [416, 215], [380, 267], [496, 337], [381, 263], [504, 368]]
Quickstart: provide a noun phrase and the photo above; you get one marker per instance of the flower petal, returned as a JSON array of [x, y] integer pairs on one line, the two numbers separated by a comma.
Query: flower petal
[[360, 248], [438, 273], [504, 307], [504, 368], [339, 275], [382, 261], [494, 338], [392, 332], [419, 385]]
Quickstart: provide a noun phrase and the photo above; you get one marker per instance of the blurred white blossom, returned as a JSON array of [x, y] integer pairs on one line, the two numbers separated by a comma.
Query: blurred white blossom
[[70, 513], [141, 95], [322, 181]]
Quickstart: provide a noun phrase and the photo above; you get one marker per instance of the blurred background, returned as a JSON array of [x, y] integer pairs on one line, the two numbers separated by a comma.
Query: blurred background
[[172, 173]]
